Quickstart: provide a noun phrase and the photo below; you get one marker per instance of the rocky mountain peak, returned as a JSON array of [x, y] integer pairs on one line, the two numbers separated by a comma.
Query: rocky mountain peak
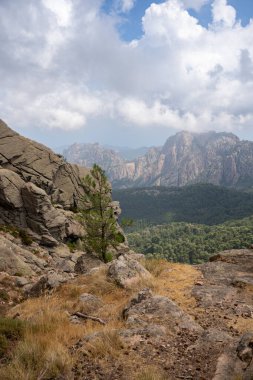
[[213, 157]]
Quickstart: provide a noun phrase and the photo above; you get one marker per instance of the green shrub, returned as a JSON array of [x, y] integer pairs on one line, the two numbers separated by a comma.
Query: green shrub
[[17, 232], [3, 345], [72, 245], [108, 257], [11, 330], [119, 237], [4, 296], [25, 238], [14, 231], [18, 274]]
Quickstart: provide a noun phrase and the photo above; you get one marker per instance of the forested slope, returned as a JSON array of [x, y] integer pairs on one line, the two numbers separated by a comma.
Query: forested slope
[[192, 243], [201, 203]]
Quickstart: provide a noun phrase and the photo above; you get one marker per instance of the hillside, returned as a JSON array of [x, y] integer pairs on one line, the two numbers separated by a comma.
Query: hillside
[[201, 203], [183, 322], [191, 243], [65, 314], [185, 158]]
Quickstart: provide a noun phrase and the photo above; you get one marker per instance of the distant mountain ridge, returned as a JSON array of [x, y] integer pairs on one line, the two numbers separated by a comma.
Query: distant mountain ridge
[[185, 158]]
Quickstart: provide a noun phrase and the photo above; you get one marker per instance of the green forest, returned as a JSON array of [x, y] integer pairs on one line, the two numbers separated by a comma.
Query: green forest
[[191, 243], [201, 204]]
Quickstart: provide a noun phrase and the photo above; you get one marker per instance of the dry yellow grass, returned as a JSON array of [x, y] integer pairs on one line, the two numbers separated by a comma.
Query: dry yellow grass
[[174, 281], [50, 333], [241, 324], [151, 373], [108, 343]]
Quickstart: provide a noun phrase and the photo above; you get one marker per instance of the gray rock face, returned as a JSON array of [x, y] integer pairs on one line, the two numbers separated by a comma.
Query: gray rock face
[[13, 259], [36, 269], [86, 262], [225, 276], [186, 158], [25, 205], [127, 272], [32, 180], [146, 309], [89, 154], [236, 362], [36, 163], [89, 303]]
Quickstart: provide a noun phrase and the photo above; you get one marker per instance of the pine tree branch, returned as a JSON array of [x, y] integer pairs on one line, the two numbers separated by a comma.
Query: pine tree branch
[[85, 316]]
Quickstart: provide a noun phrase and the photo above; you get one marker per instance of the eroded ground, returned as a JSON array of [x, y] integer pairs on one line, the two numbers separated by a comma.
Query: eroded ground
[[184, 323]]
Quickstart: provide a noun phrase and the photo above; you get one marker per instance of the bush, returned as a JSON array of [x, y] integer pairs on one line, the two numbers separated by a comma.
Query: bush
[[3, 345], [72, 245], [25, 238], [4, 296], [17, 232], [108, 257], [120, 238], [11, 330]]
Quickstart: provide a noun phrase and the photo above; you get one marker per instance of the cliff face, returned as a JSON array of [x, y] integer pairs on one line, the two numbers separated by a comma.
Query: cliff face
[[37, 189], [88, 154], [33, 162], [186, 158]]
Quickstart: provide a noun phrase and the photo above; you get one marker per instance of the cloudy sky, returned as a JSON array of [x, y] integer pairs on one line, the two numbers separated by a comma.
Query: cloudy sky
[[125, 72]]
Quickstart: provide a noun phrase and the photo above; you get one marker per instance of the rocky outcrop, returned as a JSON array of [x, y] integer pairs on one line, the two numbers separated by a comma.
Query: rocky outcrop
[[33, 162], [186, 158], [25, 205], [37, 269], [146, 309], [225, 275], [14, 259], [37, 188], [127, 272]]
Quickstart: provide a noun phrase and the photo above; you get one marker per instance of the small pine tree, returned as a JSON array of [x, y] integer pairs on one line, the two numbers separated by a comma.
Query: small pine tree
[[97, 214]]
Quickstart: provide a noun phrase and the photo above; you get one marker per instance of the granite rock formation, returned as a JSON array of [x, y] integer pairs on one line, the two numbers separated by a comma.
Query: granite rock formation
[[37, 189], [33, 162], [186, 158]]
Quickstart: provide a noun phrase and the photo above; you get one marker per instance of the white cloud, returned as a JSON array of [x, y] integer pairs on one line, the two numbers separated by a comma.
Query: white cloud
[[223, 13], [195, 4], [126, 5], [170, 21], [62, 67], [62, 10]]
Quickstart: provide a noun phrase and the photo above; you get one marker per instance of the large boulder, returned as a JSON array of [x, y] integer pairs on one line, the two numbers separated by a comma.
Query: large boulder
[[51, 223], [13, 259], [234, 256], [146, 308], [127, 272], [236, 362]]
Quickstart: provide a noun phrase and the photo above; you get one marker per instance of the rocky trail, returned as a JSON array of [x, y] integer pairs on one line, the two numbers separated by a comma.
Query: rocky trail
[[210, 341]]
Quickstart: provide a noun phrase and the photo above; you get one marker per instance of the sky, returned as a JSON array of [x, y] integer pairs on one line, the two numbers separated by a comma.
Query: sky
[[125, 72]]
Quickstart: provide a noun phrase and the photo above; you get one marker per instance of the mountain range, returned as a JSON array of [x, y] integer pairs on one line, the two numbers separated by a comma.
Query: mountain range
[[185, 158]]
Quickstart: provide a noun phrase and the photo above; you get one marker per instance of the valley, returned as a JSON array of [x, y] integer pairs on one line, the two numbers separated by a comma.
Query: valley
[[186, 224]]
